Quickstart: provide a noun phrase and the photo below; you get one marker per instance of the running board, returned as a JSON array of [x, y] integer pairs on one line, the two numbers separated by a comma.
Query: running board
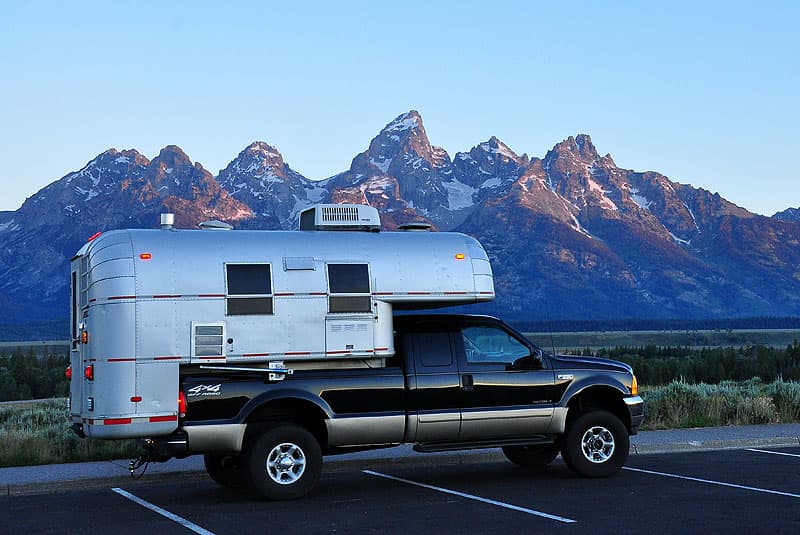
[[538, 440]]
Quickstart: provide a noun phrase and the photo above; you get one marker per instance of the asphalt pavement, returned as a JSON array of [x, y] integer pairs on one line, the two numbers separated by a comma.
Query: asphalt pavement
[[27, 480]]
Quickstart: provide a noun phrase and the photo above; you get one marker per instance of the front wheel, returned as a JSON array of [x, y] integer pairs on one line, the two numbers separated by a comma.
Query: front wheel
[[596, 444], [531, 456], [284, 462]]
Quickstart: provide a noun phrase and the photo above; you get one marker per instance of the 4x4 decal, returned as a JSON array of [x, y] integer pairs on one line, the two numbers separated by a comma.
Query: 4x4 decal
[[204, 390]]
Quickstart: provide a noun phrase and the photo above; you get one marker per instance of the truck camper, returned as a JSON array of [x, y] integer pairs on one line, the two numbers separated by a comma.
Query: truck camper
[[148, 303], [265, 350]]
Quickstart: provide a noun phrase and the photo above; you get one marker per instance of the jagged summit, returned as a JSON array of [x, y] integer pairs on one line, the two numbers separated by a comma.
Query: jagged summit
[[406, 121]]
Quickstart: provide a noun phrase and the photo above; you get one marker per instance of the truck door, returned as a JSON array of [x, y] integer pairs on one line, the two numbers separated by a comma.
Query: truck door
[[506, 389], [433, 395]]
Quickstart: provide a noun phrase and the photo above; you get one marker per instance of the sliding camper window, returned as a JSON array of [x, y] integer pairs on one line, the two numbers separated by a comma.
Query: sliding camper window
[[348, 286], [249, 289]]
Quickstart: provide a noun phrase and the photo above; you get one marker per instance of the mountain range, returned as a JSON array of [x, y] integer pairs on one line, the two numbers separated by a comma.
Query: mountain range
[[571, 235]]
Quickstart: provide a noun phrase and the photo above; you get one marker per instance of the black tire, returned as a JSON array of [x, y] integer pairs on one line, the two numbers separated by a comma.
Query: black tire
[[227, 470], [284, 462], [596, 444], [531, 456]]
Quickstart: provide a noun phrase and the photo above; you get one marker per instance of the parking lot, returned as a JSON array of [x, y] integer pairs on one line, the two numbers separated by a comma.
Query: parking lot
[[747, 490]]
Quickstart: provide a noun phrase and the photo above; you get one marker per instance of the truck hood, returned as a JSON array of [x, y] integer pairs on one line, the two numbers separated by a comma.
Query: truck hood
[[565, 362]]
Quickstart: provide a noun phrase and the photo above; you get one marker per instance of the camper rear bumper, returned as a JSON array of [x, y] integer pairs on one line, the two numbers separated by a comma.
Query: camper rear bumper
[[189, 440]]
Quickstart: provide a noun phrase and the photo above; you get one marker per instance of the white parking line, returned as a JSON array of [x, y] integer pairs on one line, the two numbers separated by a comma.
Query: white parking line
[[774, 452], [711, 482], [472, 497], [163, 512]]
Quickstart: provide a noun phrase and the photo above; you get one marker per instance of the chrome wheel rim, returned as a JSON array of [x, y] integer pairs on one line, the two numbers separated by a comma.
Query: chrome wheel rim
[[286, 463], [597, 444]]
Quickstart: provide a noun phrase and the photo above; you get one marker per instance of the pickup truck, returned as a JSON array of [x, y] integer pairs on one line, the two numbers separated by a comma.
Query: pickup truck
[[455, 382]]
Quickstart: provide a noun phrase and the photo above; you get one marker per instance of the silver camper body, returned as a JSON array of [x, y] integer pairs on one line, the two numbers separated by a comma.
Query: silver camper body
[[145, 302]]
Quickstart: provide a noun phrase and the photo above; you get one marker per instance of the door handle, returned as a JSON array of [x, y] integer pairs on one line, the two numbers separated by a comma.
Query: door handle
[[467, 382]]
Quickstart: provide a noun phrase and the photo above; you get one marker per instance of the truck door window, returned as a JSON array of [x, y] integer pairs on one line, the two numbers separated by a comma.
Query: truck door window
[[433, 349], [349, 288], [486, 344], [249, 289]]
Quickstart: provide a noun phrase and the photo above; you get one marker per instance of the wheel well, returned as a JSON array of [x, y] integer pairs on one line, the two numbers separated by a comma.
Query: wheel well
[[599, 398], [297, 411]]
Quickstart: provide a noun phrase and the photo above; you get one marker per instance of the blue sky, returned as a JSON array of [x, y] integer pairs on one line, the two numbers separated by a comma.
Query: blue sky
[[704, 92]]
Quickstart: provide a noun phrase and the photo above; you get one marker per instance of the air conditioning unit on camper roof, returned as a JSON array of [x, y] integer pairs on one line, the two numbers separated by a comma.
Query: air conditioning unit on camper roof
[[340, 217]]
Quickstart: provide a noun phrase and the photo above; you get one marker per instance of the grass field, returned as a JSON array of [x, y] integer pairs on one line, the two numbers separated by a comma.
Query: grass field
[[37, 432], [595, 340]]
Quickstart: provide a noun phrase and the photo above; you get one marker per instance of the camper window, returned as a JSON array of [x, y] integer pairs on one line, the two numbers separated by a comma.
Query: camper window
[[349, 288], [249, 289]]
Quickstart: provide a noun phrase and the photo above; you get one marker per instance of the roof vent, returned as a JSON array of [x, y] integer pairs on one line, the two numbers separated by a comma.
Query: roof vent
[[215, 225], [416, 226], [167, 221], [340, 217]]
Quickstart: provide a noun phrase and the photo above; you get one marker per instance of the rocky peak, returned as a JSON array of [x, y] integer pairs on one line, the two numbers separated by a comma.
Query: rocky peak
[[491, 166], [261, 178], [171, 162], [790, 214], [260, 151], [404, 138], [579, 148]]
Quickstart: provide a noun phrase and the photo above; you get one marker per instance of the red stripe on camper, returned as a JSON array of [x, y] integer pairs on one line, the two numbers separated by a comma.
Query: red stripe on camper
[[381, 349], [213, 358], [123, 360], [116, 421], [166, 296], [168, 358], [156, 419], [284, 294], [115, 297], [297, 353], [255, 355]]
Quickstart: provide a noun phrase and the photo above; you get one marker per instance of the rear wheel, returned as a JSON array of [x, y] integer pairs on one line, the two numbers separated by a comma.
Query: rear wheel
[[596, 444], [227, 470], [284, 462], [531, 456]]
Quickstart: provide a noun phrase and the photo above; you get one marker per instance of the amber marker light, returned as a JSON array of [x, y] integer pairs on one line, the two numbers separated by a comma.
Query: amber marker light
[[84, 337], [145, 256], [634, 387], [460, 256]]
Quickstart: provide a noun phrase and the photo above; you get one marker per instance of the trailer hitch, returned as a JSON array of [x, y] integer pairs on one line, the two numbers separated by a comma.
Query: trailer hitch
[[135, 464]]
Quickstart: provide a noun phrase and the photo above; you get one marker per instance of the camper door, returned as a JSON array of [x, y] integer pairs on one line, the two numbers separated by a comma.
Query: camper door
[[349, 324]]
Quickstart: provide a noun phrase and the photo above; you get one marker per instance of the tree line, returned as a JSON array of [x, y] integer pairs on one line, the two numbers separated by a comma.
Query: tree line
[[656, 365], [560, 325], [25, 375]]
